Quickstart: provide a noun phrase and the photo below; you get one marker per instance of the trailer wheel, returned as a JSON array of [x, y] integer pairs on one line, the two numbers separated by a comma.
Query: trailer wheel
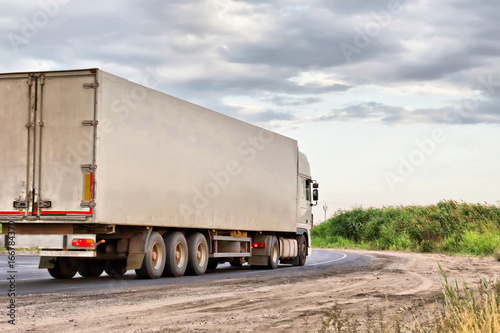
[[212, 265], [274, 257], [177, 254], [154, 260], [116, 268], [90, 268], [65, 268], [198, 254], [300, 259]]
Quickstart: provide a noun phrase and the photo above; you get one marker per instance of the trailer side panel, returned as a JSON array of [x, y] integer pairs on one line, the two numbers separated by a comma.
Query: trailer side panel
[[162, 161]]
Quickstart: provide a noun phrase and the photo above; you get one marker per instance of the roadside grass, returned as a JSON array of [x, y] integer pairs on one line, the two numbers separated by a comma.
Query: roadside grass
[[448, 227], [461, 311]]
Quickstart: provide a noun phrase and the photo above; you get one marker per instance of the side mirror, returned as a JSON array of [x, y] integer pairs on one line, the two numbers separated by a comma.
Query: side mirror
[[315, 195], [315, 185]]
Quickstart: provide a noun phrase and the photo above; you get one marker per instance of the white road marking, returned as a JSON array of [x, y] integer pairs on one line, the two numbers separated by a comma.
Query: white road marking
[[329, 261]]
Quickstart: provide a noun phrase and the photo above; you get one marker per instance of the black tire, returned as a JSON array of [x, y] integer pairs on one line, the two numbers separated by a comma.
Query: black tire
[[300, 259], [90, 268], [177, 254], [197, 254], [274, 256], [236, 262], [65, 268], [116, 268], [212, 265], [154, 259]]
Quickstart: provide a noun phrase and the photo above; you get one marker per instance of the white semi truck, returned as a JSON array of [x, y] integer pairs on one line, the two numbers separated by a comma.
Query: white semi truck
[[98, 173]]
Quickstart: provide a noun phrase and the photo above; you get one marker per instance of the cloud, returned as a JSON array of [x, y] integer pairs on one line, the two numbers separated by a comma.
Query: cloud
[[433, 69], [283, 54], [280, 100], [466, 112], [354, 6]]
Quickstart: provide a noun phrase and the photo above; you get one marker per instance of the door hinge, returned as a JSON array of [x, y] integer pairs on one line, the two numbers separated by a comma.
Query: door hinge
[[90, 85], [88, 167], [90, 123]]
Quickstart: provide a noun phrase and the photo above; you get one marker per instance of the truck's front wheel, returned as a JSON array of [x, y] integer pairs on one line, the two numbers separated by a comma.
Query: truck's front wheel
[[300, 260], [154, 260], [65, 268], [274, 257]]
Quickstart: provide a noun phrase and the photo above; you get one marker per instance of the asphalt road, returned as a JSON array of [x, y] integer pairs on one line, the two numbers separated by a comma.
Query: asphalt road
[[31, 280]]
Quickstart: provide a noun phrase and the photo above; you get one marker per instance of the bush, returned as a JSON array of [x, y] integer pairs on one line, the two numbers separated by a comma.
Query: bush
[[480, 243], [448, 226]]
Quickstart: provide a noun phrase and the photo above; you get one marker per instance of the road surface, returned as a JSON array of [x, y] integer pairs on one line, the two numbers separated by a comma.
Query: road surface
[[362, 284], [31, 280]]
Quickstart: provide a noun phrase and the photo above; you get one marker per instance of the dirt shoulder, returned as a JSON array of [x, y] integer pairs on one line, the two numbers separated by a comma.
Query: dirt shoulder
[[404, 283]]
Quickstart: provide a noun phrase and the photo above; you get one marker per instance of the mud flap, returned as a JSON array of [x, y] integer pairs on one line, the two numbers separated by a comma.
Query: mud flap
[[260, 256], [258, 260], [136, 250]]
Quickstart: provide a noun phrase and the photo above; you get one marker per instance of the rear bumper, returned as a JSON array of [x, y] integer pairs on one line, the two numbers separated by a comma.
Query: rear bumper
[[42, 253], [47, 245]]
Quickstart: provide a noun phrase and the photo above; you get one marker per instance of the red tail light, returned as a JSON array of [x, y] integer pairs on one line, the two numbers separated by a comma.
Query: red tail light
[[259, 245], [79, 242]]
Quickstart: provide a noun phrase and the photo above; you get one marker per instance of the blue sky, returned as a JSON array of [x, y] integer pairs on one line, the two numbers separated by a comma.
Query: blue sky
[[394, 102]]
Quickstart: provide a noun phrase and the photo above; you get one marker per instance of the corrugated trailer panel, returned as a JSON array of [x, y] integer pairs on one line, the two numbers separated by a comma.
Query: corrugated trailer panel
[[162, 161]]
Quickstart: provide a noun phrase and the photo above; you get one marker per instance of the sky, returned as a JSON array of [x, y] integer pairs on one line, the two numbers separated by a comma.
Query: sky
[[394, 102]]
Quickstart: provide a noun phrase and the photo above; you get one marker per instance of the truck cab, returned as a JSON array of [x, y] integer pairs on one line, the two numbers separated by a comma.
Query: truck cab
[[307, 197]]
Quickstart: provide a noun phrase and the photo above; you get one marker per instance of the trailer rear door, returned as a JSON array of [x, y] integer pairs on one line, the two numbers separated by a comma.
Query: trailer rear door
[[15, 109], [52, 121]]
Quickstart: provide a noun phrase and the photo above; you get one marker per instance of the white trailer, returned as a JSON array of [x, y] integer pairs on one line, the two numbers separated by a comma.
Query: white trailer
[[99, 173]]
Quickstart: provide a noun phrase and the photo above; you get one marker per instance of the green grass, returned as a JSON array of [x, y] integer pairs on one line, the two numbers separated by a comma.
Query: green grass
[[448, 227]]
